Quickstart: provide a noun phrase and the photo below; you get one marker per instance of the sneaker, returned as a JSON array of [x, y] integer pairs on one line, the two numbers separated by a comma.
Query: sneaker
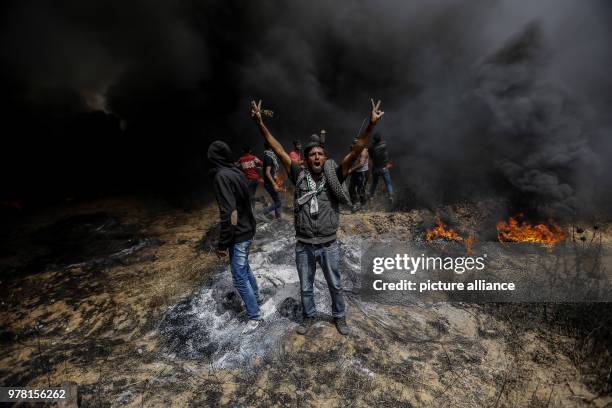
[[341, 325], [250, 326], [305, 325], [356, 207]]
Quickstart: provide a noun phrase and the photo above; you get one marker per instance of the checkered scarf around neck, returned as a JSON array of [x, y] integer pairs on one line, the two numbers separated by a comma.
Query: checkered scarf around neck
[[314, 189], [272, 156]]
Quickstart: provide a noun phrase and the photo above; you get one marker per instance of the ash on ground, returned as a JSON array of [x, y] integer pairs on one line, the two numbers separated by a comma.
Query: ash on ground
[[207, 325]]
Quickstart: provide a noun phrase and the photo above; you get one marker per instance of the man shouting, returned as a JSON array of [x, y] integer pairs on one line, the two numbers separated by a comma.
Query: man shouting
[[318, 193]]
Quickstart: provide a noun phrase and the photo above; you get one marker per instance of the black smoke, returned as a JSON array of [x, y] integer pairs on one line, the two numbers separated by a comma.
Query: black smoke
[[481, 97]]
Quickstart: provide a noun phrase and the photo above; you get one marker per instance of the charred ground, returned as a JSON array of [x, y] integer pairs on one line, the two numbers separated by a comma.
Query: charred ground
[[101, 324]]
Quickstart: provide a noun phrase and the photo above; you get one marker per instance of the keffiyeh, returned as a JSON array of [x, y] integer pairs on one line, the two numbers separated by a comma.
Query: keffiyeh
[[314, 189], [272, 157]]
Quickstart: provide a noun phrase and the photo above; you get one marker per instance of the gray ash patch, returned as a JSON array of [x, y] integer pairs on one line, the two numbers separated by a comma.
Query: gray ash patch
[[207, 326]]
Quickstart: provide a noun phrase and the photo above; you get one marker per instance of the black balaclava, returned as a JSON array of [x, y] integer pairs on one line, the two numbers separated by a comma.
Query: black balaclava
[[219, 155]]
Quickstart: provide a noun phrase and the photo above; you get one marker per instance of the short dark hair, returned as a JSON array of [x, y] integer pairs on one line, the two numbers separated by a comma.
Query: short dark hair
[[246, 149], [314, 141], [309, 148]]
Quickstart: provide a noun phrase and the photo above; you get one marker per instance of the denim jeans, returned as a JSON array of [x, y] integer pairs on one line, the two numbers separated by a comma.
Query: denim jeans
[[244, 281], [276, 205], [376, 174], [328, 256]]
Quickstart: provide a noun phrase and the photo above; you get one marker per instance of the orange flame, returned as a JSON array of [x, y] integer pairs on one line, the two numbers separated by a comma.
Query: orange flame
[[513, 231], [440, 231], [280, 183]]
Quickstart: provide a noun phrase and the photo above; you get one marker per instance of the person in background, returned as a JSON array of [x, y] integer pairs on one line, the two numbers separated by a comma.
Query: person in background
[[296, 153], [380, 167], [237, 226], [270, 170], [249, 164], [359, 178], [323, 137]]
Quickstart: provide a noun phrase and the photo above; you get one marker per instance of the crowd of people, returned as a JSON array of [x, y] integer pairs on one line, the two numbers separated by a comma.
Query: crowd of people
[[319, 190], [356, 183]]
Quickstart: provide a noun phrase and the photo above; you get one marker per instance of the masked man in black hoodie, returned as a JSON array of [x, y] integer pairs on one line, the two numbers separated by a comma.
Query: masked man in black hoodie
[[318, 192], [237, 226]]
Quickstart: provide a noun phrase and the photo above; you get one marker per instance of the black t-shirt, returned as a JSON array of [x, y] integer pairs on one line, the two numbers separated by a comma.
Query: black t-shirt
[[268, 162], [295, 170]]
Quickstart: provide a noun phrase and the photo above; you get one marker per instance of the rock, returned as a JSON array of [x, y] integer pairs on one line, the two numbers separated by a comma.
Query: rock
[[291, 309]]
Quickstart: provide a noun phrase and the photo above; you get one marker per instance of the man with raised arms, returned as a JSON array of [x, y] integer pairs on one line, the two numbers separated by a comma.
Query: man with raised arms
[[318, 193]]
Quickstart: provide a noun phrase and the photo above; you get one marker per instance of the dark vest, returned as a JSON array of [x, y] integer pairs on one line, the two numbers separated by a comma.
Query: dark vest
[[320, 228]]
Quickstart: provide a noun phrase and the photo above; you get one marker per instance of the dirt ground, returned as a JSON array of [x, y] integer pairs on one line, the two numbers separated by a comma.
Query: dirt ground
[[94, 322]]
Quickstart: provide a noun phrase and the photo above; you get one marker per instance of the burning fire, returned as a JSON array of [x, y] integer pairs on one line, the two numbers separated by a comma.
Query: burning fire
[[280, 183], [513, 231], [441, 231]]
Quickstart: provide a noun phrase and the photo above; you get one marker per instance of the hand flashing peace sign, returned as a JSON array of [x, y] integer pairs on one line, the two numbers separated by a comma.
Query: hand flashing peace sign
[[376, 112], [256, 111]]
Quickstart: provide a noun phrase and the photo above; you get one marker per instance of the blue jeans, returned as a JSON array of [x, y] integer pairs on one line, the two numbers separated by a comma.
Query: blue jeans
[[276, 205], [328, 255], [244, 281], [376, 174]]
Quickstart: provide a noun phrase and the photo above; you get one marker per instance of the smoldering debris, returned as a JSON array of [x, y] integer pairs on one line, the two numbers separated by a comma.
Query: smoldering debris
[[87, 241]]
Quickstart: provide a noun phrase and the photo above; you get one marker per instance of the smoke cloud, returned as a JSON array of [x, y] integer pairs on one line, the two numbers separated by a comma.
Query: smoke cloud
[[494, 97]]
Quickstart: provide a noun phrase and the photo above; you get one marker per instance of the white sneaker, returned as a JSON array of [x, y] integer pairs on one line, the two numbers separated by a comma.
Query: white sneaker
[[250, 326]]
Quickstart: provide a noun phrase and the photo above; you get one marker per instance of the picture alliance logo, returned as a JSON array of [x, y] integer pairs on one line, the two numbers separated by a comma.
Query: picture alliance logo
[[412, 264]]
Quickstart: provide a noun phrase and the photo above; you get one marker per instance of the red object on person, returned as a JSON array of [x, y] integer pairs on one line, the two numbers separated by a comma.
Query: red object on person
[[295, 156], [249, 163]]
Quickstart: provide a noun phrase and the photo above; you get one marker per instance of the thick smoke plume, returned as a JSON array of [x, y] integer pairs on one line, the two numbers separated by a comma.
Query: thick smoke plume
[[481, 97]]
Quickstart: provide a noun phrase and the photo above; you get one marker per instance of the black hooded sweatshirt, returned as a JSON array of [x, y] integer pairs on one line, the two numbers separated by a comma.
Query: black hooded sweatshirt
[[232, 192], [379, 155]]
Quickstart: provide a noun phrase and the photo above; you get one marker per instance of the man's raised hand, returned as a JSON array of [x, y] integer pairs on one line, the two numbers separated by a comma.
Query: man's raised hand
[[376, 112], [256, 111]]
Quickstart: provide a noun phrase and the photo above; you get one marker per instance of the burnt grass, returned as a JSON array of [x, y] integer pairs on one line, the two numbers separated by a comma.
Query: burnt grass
[[335, 371], [92, 241], [301, 378], [590, 324]]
